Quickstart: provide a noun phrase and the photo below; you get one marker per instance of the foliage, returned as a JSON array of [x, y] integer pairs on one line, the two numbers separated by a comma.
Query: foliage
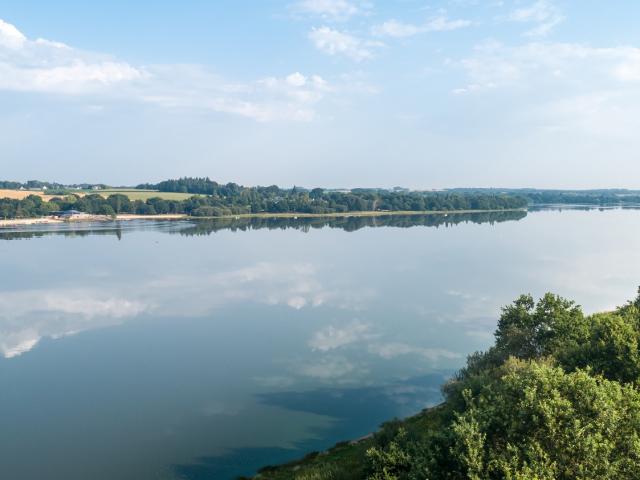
[[213, 200], [598, 197], [556, 398], [277, 200]]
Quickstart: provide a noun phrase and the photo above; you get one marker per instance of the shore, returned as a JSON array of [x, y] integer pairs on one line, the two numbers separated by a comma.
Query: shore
[[181, 216], [87, 218], [29, 221]]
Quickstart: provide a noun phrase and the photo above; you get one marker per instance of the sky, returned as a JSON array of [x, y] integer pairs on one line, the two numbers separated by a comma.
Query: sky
[[330, 93]]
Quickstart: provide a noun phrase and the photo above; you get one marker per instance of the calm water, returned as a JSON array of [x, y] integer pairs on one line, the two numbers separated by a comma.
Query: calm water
[[202, 351]]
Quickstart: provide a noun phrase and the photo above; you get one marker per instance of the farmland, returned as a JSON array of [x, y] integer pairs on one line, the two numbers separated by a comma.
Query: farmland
[[132, 193], [21, 194], [135, 194]]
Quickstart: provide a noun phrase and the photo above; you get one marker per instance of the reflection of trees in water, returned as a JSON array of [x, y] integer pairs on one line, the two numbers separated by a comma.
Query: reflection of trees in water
[[349, 224], [85, 232], [207, 227]]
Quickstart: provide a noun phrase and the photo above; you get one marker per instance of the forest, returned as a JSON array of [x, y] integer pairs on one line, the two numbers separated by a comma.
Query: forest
[[555, 398], [231, 201], [597, 197]]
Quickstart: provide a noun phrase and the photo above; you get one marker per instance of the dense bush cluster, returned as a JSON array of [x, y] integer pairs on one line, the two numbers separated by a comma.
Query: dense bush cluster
[[556, 398]]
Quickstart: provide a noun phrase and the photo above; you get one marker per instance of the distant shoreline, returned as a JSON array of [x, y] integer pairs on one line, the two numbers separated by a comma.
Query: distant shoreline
[[88, 218], [181, 216]]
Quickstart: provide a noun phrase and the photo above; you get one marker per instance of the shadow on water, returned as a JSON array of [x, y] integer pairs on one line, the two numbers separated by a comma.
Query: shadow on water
[[355, 412]]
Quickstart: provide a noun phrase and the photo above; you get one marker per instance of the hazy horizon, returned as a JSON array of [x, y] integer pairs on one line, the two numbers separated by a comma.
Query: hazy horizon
[[328, 187], [330, 93]]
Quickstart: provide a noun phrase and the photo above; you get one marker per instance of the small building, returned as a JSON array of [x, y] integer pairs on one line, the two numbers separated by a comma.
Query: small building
[[70, 215]]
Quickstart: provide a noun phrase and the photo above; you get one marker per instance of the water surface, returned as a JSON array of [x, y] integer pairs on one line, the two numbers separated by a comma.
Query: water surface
[[184, 350]]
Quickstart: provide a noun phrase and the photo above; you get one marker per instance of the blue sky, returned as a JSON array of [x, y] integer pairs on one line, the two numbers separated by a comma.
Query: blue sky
[[424, 94]]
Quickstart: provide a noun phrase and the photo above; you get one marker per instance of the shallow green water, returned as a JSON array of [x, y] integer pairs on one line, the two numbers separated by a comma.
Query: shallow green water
[[167, 350]]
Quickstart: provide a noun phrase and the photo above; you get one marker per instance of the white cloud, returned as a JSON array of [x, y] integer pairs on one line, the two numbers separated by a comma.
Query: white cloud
[[296, 79], [336, 10], [629, 69], [10, 36], [76, 78], [52, 67], [560, 88], [395, 28], [543, 14], [293, 97], [442, 24], [496, 65], [43, 66], [335, 42], [331, 337]]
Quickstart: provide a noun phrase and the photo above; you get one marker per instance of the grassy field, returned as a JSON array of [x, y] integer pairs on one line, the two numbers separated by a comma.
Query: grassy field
[[20, 194], [135, 194]]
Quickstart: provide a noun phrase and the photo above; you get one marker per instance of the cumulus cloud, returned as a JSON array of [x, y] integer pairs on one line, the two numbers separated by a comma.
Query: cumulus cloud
[[335, 42], [10, 36], [543, 14], [293, 97], [50, 67], [335, 10], [395, 28]]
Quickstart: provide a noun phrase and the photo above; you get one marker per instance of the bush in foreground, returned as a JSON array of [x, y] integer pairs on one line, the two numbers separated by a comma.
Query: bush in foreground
[[555, 398]]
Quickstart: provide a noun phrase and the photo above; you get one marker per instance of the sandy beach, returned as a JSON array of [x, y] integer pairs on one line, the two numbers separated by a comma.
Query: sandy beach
[[28, 221], [86, 218], [166, 216]]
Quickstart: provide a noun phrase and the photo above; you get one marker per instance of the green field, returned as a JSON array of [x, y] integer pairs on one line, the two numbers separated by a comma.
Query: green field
[[135, 194]]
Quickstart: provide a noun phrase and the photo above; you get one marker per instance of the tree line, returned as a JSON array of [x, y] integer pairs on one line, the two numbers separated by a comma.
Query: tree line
[[597, 197], [255, 200]]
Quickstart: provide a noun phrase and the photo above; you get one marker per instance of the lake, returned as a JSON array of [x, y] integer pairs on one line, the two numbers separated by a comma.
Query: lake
[[204, 350]]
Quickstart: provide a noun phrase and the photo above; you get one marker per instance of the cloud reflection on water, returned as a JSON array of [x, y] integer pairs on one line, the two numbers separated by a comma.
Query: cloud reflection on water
[[27, 316]]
